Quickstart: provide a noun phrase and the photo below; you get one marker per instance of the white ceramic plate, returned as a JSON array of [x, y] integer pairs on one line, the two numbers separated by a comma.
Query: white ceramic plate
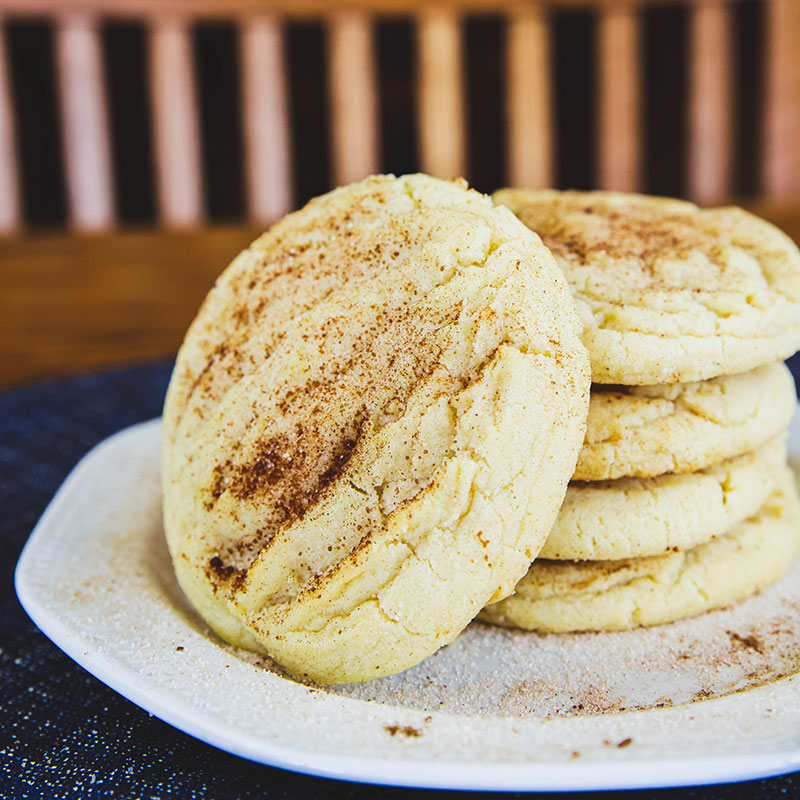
[[496, 710]]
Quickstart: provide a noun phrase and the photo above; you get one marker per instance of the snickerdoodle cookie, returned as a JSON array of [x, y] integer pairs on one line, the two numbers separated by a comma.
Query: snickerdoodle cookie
[[630, 517], [371, 426], [669, 292], [643, 431]]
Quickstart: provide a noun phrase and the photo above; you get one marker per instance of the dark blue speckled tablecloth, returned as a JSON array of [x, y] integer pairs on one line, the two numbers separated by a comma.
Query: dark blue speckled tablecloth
[[62, 732]]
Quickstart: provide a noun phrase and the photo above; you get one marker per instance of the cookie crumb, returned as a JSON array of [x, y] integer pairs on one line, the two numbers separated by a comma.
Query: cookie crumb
[[624, 742], [406, 730], [750, 642]]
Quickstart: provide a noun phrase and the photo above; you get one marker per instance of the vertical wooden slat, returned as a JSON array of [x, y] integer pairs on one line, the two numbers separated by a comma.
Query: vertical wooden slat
[[266, 119], [85, 123], [9, 180], [441, 105], [710, 102], [353, 97], [781, 170], [530, 124], [175, 123], [619, 99]]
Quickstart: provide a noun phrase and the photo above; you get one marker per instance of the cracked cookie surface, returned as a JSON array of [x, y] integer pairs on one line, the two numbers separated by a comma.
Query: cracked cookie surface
[[669, 292], [643, 431], [558, 597], [370, 427], [631, 517]]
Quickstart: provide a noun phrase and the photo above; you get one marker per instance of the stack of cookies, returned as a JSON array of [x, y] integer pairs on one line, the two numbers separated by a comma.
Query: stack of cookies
[[373, 420], [682, 500]]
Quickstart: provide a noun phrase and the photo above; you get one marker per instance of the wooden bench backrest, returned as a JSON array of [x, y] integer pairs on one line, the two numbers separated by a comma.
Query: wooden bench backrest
[[354, 103]]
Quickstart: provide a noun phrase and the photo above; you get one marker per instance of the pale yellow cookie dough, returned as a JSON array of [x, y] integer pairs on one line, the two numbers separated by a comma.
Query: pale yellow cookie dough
[[643, 431], [557, 597], [371, 426], [669, 292], [632, 517]]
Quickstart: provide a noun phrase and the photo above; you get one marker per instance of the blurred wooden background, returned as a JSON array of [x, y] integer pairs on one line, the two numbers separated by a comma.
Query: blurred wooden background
[[143, 143]]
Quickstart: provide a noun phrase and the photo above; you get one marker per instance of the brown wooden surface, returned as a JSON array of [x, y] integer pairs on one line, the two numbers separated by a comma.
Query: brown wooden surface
[[85, 123], [354, 97], [619, 60], [176, 123], [296, 8], [440, 92], [530, 104], [10, 211], [74, 303], [265, 107], [70, 304], [782, 103], [711, 117]]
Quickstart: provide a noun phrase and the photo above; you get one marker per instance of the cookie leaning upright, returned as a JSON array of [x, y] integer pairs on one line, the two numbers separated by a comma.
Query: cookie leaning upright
[[669, 292], [371, 426]]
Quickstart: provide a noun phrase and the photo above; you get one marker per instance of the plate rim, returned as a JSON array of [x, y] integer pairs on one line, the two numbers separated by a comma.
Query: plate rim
[[586, 774]]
